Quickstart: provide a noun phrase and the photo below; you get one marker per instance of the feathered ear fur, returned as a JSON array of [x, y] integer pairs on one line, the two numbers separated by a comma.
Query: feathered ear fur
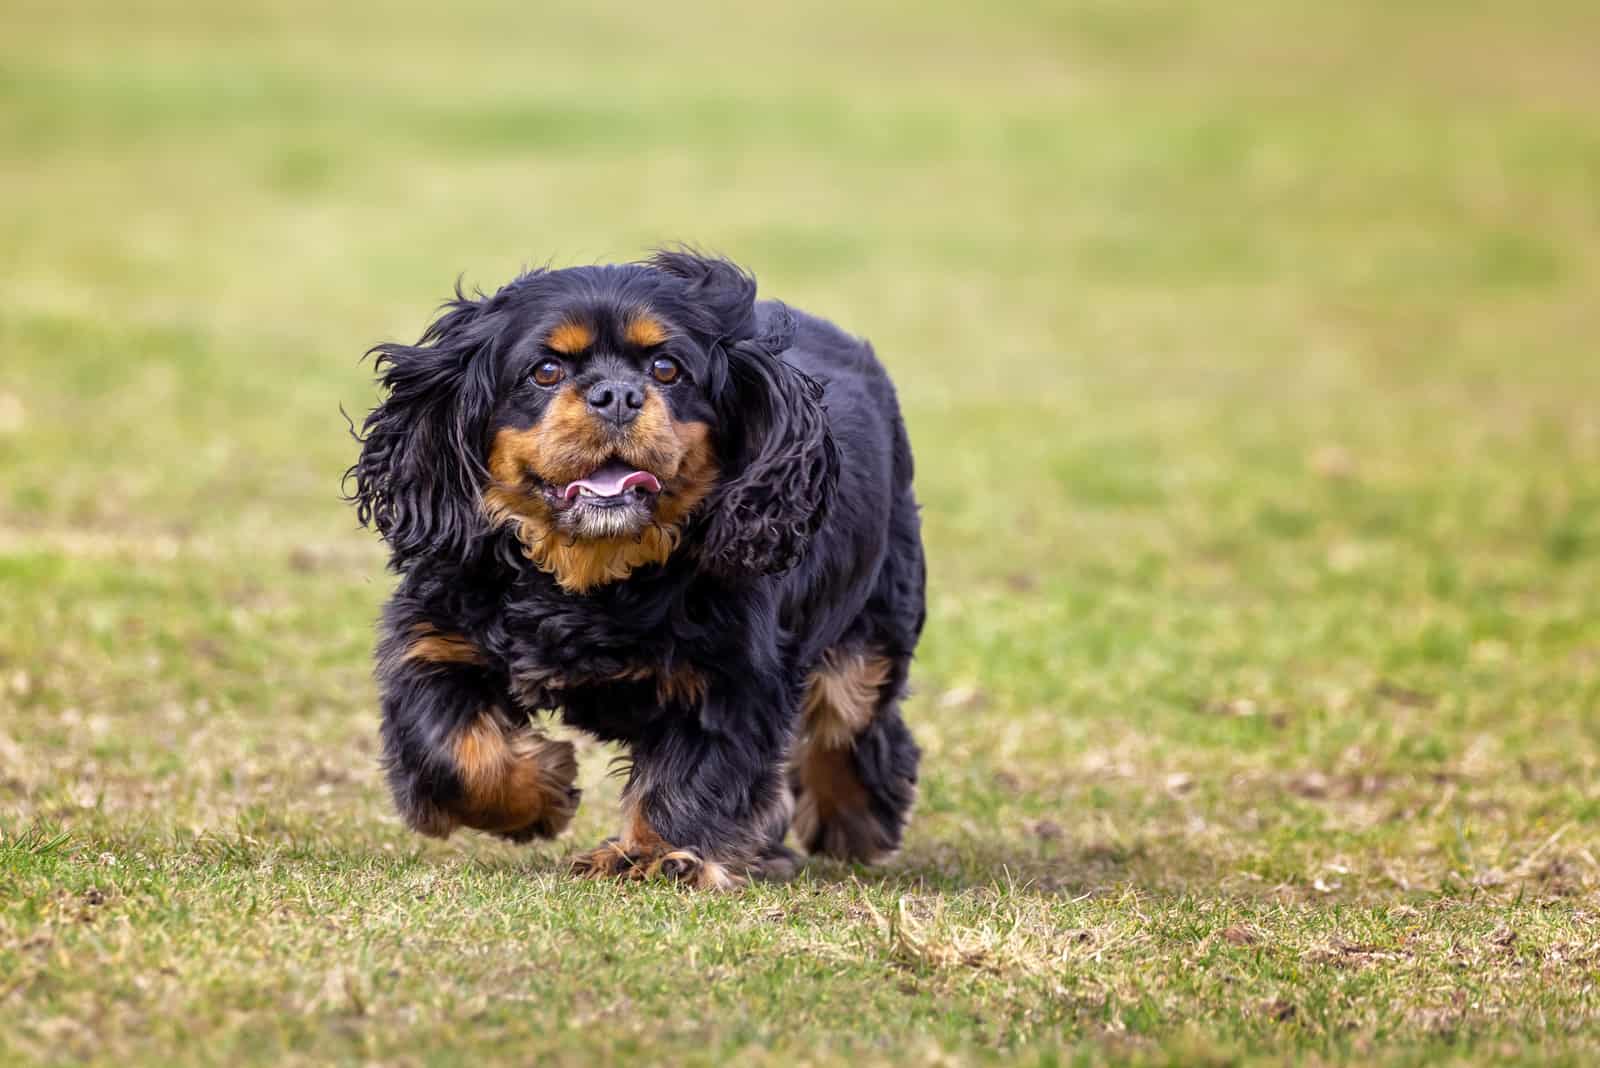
[[780, 463], [418, 476]]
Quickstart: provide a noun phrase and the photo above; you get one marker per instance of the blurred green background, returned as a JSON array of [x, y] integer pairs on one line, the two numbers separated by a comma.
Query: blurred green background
[[1249, 353]]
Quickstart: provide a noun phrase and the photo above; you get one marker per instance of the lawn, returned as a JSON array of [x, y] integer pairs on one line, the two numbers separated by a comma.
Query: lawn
[[1250, 354]]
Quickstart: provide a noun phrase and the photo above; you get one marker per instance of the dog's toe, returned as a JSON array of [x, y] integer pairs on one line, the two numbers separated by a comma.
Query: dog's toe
[[610, 860]]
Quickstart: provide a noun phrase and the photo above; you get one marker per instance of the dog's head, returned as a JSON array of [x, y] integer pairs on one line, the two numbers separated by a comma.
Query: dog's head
[[610, 416]]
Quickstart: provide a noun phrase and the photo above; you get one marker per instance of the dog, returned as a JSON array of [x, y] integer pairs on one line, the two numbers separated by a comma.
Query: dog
[[678, 516]]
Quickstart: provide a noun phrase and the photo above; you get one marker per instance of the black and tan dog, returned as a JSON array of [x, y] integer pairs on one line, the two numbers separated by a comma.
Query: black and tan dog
[[680, 517]]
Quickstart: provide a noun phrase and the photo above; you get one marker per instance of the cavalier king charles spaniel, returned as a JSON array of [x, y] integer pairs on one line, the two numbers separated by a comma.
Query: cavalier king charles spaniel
[[681, 518]]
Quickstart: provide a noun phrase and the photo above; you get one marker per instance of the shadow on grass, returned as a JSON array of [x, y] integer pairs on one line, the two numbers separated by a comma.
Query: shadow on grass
[[1060, 869], [1064, 870]]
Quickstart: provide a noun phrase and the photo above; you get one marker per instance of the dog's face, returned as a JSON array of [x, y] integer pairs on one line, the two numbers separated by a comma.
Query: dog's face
[[609, 417], [605, 429]]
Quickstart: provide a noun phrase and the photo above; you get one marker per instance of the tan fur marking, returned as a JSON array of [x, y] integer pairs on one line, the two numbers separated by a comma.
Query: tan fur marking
[[641, 853], [831, 782], [637, 834], [435, 647], [682, 685], [512, 778], [570, 337], [841, 698], [713, 876], [569, 443], [840, 702], [831, 814], [645, 330]]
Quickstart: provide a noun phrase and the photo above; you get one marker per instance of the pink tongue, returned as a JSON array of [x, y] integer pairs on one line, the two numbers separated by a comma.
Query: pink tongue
[[612, 479]]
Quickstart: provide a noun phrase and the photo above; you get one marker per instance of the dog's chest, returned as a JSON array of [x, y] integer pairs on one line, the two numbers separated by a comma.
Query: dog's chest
[[567, 649]]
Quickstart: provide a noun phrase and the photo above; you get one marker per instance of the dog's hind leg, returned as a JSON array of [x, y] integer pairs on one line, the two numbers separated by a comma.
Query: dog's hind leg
[[854, 767]]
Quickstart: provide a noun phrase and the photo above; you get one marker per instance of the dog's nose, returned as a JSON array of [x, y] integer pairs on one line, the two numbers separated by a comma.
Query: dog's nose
[[616, 401]]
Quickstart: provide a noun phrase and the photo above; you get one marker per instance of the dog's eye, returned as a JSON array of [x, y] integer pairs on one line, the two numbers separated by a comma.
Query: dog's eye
[[548, 373], [664, 370]]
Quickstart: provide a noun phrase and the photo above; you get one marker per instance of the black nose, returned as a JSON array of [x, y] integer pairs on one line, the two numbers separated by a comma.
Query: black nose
[[616, 401]]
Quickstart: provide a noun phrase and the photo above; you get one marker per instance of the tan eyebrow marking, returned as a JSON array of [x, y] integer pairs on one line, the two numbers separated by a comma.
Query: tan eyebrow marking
[[645, 330], [570, 338]]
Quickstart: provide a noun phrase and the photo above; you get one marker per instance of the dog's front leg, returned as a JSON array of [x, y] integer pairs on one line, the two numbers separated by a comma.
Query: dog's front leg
[[455, 751], [706, 801]]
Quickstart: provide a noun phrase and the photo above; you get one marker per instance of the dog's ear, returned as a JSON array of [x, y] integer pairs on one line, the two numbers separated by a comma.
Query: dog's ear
[[719, 298], [418, 478], [775, 495], [780, 464]]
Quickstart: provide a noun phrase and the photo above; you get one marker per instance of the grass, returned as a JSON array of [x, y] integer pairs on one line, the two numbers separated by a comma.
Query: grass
[[1249, 353]]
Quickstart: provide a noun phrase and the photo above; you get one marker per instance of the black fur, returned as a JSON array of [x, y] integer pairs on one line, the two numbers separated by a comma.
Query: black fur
[[421, 466], [807, 544]]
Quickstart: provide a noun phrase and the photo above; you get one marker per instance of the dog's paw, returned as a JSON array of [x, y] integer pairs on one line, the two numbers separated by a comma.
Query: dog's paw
[[776, 864], [543, 780], [841, 814], [612, 860], [555, 818]]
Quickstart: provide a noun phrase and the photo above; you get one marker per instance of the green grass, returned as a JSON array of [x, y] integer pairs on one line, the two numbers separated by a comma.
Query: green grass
[[1249, 350]]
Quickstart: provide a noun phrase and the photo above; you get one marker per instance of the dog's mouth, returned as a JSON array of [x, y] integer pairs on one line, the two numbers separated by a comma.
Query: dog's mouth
[[614, 484]]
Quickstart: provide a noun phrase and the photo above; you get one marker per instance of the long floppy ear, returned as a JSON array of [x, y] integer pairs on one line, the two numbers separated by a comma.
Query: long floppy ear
[[775, 496], [418, 476], [780, 465]]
